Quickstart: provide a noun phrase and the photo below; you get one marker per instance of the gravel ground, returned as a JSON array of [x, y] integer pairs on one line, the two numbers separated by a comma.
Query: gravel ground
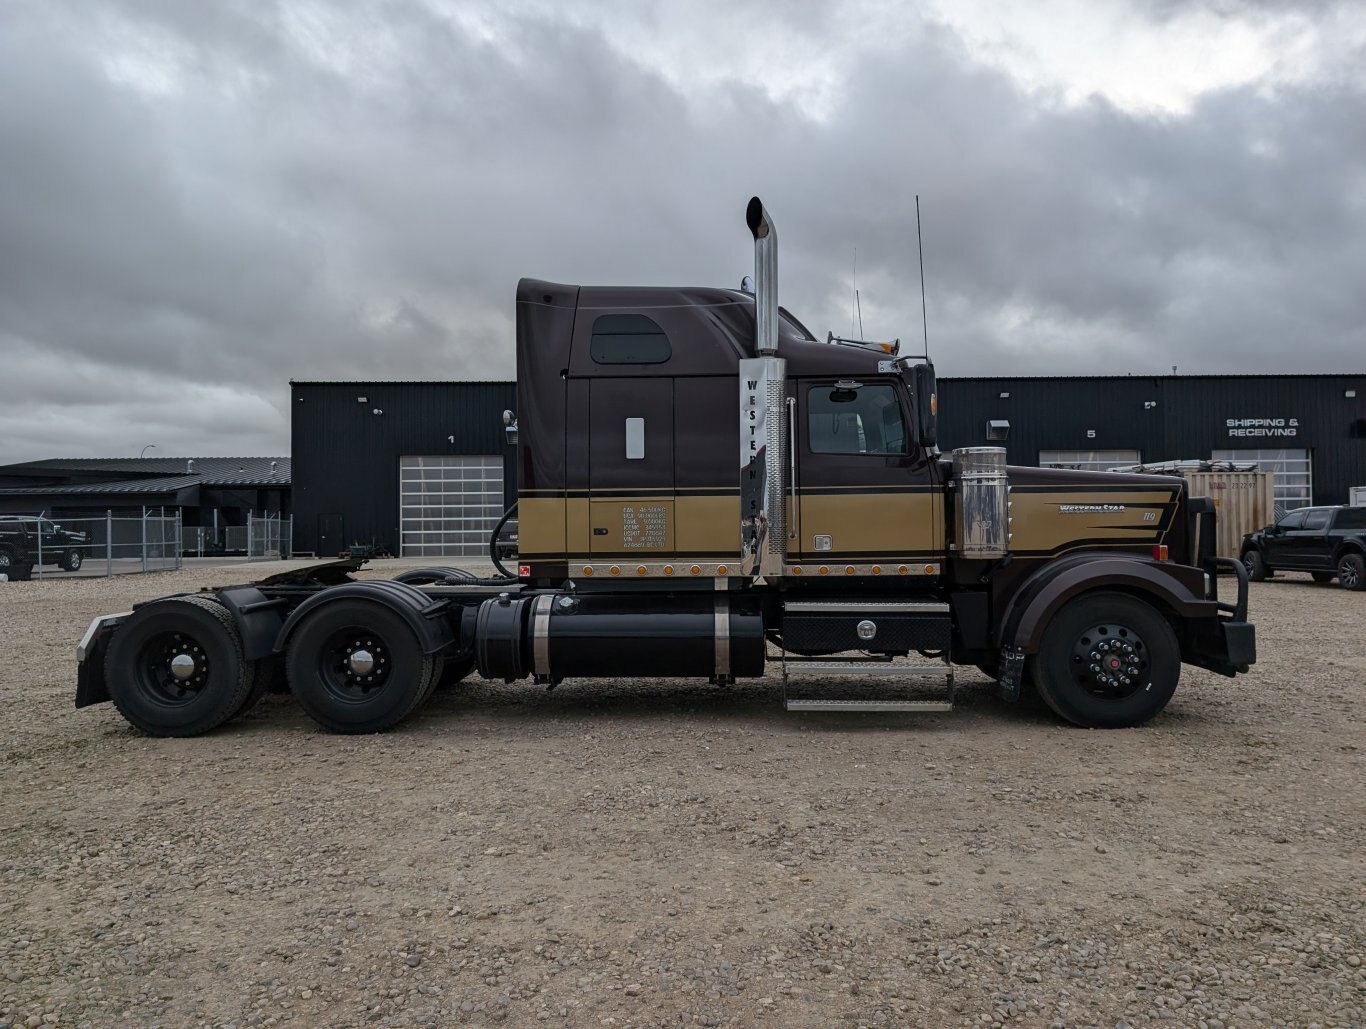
[[657, 853]]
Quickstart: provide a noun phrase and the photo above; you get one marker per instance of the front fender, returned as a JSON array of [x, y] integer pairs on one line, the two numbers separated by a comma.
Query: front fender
[[423, 615], [1179, 588]]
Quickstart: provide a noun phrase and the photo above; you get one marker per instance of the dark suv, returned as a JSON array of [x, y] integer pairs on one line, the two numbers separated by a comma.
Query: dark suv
[[33, 536], [1327, 542]]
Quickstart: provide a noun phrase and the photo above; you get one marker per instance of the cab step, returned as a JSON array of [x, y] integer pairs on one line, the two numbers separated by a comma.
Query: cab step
[[865, 669], [925, 706], [871, 694]]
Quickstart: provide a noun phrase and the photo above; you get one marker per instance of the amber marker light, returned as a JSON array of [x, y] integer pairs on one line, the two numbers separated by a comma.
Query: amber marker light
[[825, 570], [721, 570], [587, 569], [696, 570], [615, 570], [848, 569], [1159, 551], [640, 570], [797, 570], [929, 569], [903, 569], [877, 569], [668, 569]]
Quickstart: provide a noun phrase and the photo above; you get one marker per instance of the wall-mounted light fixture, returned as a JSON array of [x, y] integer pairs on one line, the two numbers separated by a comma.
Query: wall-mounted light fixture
[[1148, 405], [1005, 395], [1349, 394]]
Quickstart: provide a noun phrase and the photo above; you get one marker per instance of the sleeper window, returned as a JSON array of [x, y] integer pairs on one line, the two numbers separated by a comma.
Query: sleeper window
[[628, 339]]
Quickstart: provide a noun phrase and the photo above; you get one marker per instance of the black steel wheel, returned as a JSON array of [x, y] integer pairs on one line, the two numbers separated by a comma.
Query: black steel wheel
[[1107, 661], [71, 561], [1352, 572], [175, 668], [1257, 570], [357, 667]]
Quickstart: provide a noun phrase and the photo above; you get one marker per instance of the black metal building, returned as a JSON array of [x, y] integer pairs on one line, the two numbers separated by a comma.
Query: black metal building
[[209, 492], [424, 468], [1309, 430], [412, 468]]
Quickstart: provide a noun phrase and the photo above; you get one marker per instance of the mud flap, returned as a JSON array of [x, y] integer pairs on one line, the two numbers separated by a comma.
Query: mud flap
[[1011, 677]]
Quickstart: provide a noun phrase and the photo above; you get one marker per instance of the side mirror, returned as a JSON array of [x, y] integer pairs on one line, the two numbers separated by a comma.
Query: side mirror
[[926, 395]]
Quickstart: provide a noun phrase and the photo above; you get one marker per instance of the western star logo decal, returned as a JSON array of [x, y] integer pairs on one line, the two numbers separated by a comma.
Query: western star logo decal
[[1091, 508]]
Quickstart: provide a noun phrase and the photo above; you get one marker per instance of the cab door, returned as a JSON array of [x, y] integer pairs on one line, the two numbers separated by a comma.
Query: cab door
[[631, 467], [866, 494], [1280, 551]]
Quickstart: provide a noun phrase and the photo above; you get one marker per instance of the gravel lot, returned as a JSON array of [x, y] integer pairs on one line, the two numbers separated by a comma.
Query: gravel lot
[[614, 853]]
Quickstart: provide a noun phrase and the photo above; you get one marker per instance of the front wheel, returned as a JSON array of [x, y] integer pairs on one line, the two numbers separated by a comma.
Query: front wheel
[[71, 561], [1352, 572], [1107, 661], [1257, 570]]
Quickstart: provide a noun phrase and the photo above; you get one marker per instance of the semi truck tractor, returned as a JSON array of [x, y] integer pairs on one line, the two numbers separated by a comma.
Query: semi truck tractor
[[708, 490]]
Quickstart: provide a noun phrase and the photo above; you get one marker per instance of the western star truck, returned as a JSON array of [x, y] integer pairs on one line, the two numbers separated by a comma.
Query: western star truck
[[707, 490]]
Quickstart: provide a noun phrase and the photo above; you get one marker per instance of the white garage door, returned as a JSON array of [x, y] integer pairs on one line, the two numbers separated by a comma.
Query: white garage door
[[1292, 473], [1088, 460], [449, 503]]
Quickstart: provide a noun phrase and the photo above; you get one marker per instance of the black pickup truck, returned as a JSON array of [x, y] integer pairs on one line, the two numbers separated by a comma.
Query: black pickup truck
[[29, 537], [1327, 542]]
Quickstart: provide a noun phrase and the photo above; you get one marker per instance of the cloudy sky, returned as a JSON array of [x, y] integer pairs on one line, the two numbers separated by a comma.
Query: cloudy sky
[[200, 201]]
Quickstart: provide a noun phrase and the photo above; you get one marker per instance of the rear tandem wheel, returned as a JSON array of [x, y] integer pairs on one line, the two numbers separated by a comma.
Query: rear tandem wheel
[[175, 668], [356, 667]]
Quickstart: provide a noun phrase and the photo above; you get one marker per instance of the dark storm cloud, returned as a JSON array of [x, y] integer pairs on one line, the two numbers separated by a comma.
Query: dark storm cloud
[[199, 202]]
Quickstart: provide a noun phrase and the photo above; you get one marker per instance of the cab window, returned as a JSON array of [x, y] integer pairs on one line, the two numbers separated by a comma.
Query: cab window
[[1294, 520], [855, 419], [1317, 518]]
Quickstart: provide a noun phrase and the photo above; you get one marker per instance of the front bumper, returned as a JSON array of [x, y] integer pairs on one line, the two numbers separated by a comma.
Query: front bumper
[[1227, 645]]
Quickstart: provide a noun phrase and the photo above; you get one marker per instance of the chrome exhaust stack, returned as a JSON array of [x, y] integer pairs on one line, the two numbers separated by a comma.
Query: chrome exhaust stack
[[765, 278], [764, 415]]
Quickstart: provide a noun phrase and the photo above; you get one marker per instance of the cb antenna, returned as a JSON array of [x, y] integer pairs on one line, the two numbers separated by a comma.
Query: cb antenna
[[858, 305], [920, 246]]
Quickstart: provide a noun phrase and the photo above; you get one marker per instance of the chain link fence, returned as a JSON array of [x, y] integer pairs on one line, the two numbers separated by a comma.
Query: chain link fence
[[112, 544], [153, 541], [269, 537]]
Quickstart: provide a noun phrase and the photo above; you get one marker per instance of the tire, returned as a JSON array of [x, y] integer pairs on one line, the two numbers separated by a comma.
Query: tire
[[150, 695], [338, 697], [1257, 570], [434, 576], [1070, 671], [6, 560], [1322, 576], [1352, 572], [71, 561]]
